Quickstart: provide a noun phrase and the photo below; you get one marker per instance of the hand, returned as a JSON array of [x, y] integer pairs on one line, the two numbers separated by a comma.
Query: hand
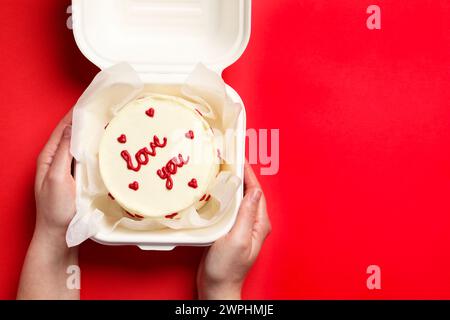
[[225, 264], [54, 185], [44, 274]]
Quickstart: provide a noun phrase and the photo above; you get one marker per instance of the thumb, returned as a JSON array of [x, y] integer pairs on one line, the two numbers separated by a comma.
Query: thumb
[[247, 214], [63, 159]]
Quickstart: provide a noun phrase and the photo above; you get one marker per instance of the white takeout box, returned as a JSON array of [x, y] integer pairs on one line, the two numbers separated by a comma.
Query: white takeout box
[[163, 40]]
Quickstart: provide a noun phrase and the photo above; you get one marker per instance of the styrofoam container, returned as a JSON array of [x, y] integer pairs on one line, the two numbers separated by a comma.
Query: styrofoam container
[[163, 40]]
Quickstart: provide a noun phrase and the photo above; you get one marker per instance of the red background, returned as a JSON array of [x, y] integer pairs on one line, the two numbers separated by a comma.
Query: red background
[[364, 153]]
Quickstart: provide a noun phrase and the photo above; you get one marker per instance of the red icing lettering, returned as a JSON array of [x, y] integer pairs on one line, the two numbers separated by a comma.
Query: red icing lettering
[[203, 198], [142, 155], [170, 169], [207, 198]]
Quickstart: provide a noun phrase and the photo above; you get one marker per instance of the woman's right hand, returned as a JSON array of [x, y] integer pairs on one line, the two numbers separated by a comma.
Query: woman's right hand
[[225, 264]]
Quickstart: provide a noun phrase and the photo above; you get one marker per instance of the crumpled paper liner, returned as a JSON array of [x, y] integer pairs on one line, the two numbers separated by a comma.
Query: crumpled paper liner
[[110, 90]]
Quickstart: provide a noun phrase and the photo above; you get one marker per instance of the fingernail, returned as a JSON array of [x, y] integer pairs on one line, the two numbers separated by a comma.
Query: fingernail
[[256, 195], [67, 132]]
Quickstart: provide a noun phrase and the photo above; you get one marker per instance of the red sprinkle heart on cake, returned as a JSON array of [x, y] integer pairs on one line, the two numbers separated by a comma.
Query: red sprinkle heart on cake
[[131, 215], [189, 134], [122, 138], [150, 112], [134, 186], [172, 215], [193, 183]]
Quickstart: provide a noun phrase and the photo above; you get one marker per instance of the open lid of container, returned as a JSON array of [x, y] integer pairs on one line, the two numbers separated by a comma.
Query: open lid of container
[[162, 36]]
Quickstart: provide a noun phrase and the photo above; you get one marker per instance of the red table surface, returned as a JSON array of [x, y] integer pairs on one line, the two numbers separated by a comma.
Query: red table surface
[[364, 149]]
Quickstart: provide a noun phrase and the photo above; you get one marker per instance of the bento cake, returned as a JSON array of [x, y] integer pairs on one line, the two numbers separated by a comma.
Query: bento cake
[[157, 156]]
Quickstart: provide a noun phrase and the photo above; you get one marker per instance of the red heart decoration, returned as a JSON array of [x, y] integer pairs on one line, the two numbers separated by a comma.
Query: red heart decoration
[[134, 186], [150, 112], [122, 138], [193, 183], [172, 215], [198, 111], [130, 214], [189, 134]]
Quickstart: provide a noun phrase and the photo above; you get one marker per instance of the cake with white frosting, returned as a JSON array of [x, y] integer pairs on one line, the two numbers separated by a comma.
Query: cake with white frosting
[[158, 156]]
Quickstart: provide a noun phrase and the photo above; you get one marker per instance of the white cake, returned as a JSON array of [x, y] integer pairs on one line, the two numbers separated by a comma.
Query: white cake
[[158, 156]]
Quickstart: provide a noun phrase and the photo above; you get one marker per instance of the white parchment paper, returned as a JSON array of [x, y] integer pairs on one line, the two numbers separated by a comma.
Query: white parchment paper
[[110, 90]]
